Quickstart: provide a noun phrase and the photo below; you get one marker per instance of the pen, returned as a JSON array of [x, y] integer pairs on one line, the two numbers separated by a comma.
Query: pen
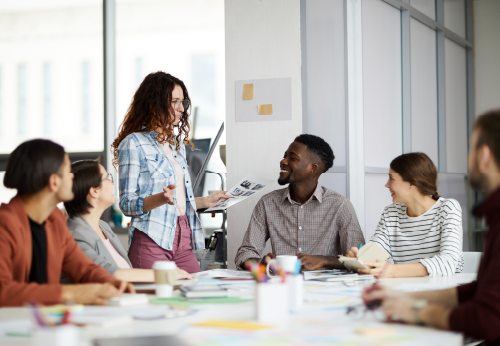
[[360, 245], [36, 313]]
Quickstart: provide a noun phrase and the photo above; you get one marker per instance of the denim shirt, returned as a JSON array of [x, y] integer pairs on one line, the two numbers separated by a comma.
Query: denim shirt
[[144, 170]]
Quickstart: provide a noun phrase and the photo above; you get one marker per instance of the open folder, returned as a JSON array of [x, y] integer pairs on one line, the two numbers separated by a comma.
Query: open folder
[[371, 252]]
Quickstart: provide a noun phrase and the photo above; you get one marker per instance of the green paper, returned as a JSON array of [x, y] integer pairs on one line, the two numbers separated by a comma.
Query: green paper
[[196, 301]]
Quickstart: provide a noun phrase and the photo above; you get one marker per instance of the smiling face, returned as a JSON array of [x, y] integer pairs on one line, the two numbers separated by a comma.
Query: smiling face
[[297, 165], [400, 190], [177, 98]]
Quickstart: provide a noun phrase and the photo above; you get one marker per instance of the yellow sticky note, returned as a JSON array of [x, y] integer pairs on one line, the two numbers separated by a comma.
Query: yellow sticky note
[[241, 325], [265, 109], [247, 91], [371, 332]]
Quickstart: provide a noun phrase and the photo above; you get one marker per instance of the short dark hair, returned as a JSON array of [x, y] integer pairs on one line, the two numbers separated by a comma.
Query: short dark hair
[[488, 126], [319, 147], [419, 170], [87, 175], [31, 164]]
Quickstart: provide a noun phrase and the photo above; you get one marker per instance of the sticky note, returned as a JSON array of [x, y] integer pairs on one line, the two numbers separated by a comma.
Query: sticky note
[[370, 332], [247, 91], [241, 325], [265, 109]]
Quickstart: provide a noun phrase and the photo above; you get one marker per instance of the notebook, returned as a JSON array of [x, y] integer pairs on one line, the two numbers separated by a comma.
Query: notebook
[[371, 252], [205, 291], [128, 299]]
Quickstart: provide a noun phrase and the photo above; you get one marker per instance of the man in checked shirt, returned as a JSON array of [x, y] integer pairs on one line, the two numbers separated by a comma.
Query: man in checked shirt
[[304, 218]]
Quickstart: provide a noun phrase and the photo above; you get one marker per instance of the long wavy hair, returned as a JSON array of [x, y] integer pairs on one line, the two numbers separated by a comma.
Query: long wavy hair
[[151, 110]]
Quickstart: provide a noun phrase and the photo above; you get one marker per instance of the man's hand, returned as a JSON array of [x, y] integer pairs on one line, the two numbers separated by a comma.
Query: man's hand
[[267, 258], [376, 269], [122, 286], [312, 262], [89, 294], [398, 306], [168, 194], [353, 252]]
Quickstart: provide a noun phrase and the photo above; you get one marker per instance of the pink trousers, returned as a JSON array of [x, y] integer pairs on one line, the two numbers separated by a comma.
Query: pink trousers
[[144, 251]]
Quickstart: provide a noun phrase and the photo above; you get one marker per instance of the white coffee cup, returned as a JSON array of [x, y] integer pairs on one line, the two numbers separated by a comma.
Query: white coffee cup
[[285, 262], [165, 278]]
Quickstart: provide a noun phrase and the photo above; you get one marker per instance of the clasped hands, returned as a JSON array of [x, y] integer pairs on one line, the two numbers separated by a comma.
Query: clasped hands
[[309, 262]]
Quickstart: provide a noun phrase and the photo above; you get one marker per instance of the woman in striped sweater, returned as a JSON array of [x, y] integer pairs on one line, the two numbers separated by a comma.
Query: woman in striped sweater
[[421, 231]]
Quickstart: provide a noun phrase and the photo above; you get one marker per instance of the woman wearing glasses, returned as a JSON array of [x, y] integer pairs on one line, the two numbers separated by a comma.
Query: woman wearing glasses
[[93, 194], [155, 186]]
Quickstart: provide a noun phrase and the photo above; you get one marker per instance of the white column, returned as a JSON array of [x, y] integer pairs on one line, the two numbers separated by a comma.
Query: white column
[[262, 41], [354, 80]]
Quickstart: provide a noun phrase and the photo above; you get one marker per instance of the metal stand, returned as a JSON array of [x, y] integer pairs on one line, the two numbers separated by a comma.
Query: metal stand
[[224, 217]]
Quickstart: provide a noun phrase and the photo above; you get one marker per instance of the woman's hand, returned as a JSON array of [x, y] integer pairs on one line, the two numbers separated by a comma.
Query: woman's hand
[[353, 252], [377, 269], [213, 198], [182, 274], [168, 194]]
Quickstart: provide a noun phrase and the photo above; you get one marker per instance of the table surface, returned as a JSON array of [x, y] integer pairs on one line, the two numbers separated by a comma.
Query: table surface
[[320, 323]]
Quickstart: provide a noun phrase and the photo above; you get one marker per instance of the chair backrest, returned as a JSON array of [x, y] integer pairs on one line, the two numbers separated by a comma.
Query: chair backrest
[[471, 261]]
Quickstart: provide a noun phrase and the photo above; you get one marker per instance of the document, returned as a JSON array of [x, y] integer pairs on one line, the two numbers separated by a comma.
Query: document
[[222, 273], [248, 186]]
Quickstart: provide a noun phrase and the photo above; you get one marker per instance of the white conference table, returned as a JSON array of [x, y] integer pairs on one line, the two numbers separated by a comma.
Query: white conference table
[[314, 324]]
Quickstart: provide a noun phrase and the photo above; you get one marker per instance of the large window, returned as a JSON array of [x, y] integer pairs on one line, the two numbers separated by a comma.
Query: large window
[[45, 46], [52, 57]]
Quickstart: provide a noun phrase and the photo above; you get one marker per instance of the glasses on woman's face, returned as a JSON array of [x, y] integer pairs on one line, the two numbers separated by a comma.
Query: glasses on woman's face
[[109, 177], [177, 104]]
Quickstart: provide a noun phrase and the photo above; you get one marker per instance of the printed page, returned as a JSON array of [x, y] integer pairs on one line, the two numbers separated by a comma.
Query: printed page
[[250, 185]]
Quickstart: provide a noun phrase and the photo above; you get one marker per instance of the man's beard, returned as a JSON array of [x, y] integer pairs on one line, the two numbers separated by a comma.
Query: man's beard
[[477, 180], [284, 181]]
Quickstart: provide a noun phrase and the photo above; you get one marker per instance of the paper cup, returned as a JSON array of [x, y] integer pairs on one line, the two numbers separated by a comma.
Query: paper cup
[[165, 278]]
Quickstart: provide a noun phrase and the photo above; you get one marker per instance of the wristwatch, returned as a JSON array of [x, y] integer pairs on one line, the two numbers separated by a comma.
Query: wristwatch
[[419, 304]]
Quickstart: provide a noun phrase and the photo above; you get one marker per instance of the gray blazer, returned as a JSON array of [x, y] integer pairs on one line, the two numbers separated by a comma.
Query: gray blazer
[[92, 245]]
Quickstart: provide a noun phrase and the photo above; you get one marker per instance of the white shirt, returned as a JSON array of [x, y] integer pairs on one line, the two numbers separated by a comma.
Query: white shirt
[[433, 238], [180, 190]]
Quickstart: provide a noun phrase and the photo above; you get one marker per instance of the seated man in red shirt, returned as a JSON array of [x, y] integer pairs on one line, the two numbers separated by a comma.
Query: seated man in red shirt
[[473, 309], [35, 244]]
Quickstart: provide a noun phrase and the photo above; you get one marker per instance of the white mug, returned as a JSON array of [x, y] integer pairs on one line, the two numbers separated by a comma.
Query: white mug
[[285, 262]]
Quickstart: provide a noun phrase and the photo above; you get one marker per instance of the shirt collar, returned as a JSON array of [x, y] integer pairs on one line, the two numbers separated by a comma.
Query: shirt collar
[[318, 195]]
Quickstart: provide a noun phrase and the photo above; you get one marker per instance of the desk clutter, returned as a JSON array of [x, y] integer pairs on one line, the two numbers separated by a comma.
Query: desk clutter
[[283, 308]]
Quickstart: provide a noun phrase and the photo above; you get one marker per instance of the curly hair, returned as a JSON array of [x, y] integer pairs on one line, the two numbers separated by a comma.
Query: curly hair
[[151, 109], [319, 147]]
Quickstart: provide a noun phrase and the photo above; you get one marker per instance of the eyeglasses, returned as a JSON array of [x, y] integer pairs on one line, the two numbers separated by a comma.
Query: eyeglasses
[[185, 103], [109, 177]]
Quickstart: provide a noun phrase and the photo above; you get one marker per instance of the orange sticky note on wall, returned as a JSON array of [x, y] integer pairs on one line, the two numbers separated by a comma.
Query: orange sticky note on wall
[[265, 109], [247, 91]]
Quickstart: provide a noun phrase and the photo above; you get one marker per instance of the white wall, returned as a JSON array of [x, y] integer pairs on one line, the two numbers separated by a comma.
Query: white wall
[[487, 54], [262, 41]]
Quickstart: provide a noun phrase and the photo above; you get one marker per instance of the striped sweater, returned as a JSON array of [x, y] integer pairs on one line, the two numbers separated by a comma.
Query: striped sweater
[[433, 238]]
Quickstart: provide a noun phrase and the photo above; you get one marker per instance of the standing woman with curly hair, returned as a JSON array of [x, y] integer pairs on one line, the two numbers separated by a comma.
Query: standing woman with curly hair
[[155, 186]]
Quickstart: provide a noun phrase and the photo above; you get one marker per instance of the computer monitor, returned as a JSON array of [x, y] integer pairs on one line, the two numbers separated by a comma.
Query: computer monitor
[[201, 173]]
